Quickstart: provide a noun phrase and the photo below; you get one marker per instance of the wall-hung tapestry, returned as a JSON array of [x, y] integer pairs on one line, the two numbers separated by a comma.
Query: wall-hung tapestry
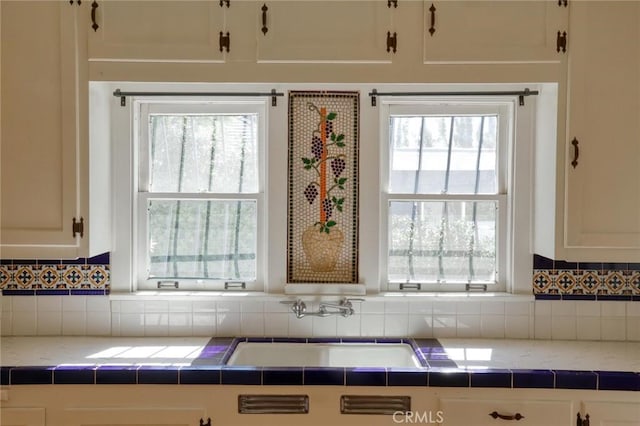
[[323, 187]]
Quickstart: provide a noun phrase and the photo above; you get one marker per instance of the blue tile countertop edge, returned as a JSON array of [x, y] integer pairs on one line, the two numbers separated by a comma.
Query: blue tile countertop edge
[[210, 369]]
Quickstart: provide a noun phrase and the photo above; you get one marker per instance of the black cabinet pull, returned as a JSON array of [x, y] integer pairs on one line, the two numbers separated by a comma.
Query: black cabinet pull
[[432, 28], [576, 152], [94, 24], [264, 19], [497, 415]]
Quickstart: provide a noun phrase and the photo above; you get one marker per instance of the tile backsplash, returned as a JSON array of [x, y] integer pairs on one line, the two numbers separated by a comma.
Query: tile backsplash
[[560, 280], [83, 276], [567, 306], [515, 317]]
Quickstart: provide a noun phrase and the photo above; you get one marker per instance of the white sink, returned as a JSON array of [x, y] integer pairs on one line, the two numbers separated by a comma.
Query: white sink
[[283, 354]]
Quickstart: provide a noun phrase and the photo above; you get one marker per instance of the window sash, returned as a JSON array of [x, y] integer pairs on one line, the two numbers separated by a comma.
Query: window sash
[[432, 107], [142, 197]]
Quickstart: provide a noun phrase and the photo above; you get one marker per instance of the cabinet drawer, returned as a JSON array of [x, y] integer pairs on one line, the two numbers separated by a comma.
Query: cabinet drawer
[[464, 412]]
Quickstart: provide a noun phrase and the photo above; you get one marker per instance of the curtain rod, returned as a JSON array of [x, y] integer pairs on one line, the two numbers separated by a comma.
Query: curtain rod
[[123, 95], [519, 93]]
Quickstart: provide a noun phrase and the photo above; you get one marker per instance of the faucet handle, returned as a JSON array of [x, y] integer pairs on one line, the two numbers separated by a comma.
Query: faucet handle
[[298, 307]]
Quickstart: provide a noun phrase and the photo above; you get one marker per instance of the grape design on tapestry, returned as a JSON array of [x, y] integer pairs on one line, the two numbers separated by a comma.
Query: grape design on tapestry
[[322, 231], [325, 149]]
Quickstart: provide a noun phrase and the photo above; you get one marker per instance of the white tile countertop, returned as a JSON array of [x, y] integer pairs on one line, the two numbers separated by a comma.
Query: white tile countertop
[[181, 351]]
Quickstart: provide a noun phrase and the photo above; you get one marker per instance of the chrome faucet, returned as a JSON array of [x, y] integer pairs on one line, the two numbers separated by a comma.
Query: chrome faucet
[[344, 308]]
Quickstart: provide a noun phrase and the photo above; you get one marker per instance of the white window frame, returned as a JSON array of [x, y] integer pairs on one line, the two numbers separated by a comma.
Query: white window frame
[[505, 110], [533, 120], [142, 108]]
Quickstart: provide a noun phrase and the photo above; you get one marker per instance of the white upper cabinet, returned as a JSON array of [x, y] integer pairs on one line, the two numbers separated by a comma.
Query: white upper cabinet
[[602, 209], [173, 31], [493, 31], [45, 152], [319, 31]]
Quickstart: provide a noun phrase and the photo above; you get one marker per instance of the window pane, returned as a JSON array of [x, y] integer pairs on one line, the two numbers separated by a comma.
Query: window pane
[[443, 154], [202, 239], [203, 153], [442, 241]]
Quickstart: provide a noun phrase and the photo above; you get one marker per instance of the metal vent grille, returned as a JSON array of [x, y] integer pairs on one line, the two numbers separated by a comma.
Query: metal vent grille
[[374, 404], [273, 404]]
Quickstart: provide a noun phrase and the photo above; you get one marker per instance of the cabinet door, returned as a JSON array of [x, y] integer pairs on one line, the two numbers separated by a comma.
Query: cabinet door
[[465, 412], [39, 138], [603, 189], [327, 31], [158, 416], [492, 31], [612, 413], [159, 30], [22, 416]]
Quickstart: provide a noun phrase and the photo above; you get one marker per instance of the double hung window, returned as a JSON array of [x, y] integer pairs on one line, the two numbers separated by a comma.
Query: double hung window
[[444, 194], [200, 191]]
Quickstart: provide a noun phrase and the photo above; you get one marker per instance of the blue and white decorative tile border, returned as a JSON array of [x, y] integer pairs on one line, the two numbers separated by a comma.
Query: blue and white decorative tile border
[[211, 369], [560, 280], [83, 276]]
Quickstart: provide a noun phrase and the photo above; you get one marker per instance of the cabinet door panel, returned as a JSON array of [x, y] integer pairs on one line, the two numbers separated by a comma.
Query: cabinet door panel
[[22, 416], [613, 413], [603, 190], [157, 31], [492, 31], [38, 123], [465, 412], [121, 416], [321, 31]]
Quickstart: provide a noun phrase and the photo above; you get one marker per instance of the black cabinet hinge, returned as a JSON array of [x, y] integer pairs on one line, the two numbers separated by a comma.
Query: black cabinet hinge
[[583, 422], [208, 423], [78, 227], [561, 42], [225, 41], [392, 42], [392, 2], [564, 3], [225, 2]]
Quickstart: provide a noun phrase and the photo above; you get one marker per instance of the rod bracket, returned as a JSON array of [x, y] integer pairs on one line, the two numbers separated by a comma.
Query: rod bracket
[[373, 95]]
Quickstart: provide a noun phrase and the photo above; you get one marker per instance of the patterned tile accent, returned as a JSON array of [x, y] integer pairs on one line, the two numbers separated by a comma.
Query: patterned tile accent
[[556, 279], [86, 276]]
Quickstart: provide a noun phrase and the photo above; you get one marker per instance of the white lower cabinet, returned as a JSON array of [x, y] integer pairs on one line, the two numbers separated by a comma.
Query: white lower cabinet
[[149, 416], [216, 405], [22, 416], [611, 413], [486, 412]]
